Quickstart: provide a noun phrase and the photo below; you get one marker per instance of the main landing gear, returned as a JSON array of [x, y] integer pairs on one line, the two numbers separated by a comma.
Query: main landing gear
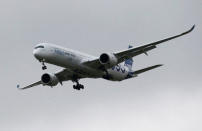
[[78, 86]]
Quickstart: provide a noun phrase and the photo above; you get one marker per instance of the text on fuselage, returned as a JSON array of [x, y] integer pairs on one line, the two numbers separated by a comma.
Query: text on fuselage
[[63, 53], [119, 68]]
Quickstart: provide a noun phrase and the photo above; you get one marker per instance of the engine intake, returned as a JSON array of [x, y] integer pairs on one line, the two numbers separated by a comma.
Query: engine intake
[[104, 58], [108, 60], [49, 79]]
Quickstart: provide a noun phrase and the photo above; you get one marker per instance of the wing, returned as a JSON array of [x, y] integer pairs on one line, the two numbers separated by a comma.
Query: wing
[[123, 55], [67, 74], [29, 86], [126, 54], [63, 75]]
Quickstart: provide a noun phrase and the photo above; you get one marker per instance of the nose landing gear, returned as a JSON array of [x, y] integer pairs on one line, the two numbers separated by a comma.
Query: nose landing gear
[[44, 67]]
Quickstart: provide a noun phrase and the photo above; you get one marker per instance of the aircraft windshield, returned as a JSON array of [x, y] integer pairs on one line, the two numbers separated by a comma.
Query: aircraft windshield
[[40, 46]]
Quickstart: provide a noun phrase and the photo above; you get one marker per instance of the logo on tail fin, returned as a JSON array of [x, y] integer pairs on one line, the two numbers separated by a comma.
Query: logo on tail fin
[[130, 46], [129, 62]]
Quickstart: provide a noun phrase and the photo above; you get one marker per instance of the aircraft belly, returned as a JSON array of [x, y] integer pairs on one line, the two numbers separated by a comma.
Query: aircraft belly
[[75, 66], [59, 60], [117, 75]]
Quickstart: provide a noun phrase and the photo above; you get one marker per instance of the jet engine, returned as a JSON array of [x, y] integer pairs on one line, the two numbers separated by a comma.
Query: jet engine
[[108, 59], [49, 79]]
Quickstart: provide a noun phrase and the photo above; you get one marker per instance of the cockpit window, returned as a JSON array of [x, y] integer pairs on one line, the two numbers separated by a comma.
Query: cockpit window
[[40, 46]]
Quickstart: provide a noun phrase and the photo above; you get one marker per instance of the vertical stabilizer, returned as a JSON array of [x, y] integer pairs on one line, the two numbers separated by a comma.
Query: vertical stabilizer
[[129, 62]]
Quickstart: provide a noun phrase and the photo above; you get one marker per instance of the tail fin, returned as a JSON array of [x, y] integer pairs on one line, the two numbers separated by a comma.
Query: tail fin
[[129, 62]]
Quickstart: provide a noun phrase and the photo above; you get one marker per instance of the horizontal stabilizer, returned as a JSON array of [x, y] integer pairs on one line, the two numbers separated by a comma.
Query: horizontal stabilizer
[[146, 69]]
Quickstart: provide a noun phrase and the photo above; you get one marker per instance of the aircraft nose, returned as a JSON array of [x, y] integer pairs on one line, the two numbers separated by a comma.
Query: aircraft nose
[[36, 54]]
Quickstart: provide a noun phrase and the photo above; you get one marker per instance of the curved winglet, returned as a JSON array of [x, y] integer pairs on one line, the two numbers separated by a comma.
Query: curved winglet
[[18, 86], [192, 28]]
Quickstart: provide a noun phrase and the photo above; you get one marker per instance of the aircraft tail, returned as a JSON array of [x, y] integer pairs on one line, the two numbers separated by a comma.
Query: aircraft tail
[[129, 62]]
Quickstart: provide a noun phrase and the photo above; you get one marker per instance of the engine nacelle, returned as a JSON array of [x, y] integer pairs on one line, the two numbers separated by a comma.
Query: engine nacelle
[[49, 79], [108, 59]]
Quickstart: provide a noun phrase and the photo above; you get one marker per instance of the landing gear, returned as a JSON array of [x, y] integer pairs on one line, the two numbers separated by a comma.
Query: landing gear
[[78, 86], [44, 67]]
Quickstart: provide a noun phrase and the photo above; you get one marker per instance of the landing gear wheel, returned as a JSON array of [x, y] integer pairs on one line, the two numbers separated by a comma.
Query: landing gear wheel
[[81, 86], [78, 87], [44, 67]]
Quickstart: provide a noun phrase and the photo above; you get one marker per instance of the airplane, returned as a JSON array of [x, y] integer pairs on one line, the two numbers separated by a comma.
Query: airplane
[[115, 66]]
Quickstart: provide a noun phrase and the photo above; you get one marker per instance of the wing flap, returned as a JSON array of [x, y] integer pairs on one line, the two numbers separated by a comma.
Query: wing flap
[[135, 53]]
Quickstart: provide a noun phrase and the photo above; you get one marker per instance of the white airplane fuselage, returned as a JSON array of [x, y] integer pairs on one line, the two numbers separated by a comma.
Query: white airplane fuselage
[[68, 58]]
